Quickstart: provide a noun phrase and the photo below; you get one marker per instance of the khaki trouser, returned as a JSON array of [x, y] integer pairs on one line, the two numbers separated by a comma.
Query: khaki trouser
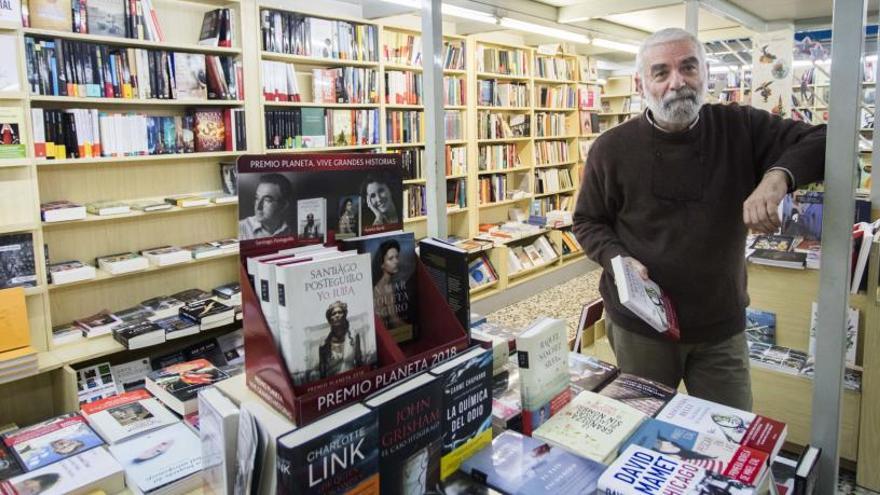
[[718, 372]]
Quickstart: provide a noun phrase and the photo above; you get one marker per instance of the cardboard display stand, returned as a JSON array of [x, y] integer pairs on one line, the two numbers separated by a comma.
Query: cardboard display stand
[[440, 334]]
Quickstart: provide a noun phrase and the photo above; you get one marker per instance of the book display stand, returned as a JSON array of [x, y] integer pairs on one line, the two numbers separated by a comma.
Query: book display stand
[[440, 335]]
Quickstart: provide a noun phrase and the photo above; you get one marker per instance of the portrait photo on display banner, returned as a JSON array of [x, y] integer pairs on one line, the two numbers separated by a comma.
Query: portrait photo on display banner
[[279, 203]]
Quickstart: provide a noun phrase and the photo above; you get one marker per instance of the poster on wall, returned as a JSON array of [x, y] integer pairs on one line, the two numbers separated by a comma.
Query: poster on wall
[[771, 71]]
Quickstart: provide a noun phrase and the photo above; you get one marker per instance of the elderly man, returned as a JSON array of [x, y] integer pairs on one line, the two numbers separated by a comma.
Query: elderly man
[[675, 191]]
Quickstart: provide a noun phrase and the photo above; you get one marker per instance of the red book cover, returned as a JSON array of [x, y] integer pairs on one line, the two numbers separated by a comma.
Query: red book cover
[[227, 125], [747, 465], [116, 400], [765, 434], [210, 132]]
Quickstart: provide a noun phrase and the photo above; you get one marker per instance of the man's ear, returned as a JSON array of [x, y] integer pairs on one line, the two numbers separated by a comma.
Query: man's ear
[[639, 87]]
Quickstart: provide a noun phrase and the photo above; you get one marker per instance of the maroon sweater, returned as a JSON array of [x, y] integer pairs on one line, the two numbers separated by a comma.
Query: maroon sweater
[[674, 202]]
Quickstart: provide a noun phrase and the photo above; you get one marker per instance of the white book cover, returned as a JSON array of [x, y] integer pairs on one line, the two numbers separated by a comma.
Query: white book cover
[[170, 455], [644, 298], [852, 332], [218, 431], [321, 37], [123, 416], [591, 426], [639, 470], [10, 12], [542, 356], [311, 216], [9, 76], [84, 473], [326, 317], [189, 69]]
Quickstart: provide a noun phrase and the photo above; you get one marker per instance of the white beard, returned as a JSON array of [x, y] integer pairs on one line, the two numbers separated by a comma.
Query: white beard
[[678, 108]]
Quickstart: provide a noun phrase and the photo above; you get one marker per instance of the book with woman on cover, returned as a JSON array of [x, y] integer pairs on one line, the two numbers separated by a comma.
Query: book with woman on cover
[[393, 261], [645, 299]]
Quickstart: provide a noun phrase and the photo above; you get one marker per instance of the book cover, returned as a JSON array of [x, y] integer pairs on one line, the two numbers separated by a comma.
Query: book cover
[[106, 17], [467, 406], [9, 466], [645, 299], [189, 71], [162, 457], [711, 453], [326, 317], [852, 332], [589, 373], [760, 326], [14, 321], [311, 217], [89, 472], [542, 355], [393, 260], [314, 127], [349, 223], [734, 425], [210, 131], [591, 426], [519, 465], [336, 454], [410, 435], [216, 423], [126, 415], [773, 242], [640, 470], [54, 15], [10, 12], [448, 267], [17, 264], [507, 399], [51, 441], [9, 73], [229, 178], [640, 393], [95, 382]]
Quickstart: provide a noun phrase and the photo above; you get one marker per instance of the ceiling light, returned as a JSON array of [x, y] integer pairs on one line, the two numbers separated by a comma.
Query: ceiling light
[[471, 15], [545, 30], [616, 45], [721, 69], [406, 3]]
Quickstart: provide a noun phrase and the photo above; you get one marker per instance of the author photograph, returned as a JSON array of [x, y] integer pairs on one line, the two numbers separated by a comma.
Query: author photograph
[[265, 206]]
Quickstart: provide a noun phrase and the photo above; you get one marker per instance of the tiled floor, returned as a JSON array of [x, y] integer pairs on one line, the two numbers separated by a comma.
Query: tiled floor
[[565, 301]]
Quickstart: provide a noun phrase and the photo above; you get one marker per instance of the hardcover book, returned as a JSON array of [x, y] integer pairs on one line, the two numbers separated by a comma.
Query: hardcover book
[[777, 357], [10, 12], [325, 317], [734, 425], [93, 471], [167, 460], [519, 465], [645, 395], [51, 441], [645, 299], [410, 434], [467, 406], [10, 78], [393, 260], [447, 266], [139, 334], [506, 399], [208, 314], [62, 211], [639, 470], [216, 423], [336, 454], [17, 265], [781, 259], [711, 453], [542, 355], [126, 415], [349, 214], [54, 15], [210, 131], [163, 306], [852, 332], [177, 385], [773, 242], [591, 426]]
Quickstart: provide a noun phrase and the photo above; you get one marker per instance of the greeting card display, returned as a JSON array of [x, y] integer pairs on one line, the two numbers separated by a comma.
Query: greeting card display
[[308, 360]]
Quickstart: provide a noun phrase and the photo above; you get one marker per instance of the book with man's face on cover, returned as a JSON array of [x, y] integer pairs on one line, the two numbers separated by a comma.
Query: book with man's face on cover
[[51, 441]]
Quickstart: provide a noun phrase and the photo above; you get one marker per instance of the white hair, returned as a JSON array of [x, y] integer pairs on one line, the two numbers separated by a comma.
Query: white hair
[[669, 35]]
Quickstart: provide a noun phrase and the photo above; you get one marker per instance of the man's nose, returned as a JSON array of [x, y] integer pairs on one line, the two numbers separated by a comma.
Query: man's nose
[[676, 80]]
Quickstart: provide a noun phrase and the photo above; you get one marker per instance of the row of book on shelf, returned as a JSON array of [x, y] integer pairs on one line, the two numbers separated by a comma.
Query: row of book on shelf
[[158, 319], [68, 211], [77, 133], [58, 67]]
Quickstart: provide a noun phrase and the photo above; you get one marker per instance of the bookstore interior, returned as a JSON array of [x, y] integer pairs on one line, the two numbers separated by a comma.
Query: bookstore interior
[[183, 181]]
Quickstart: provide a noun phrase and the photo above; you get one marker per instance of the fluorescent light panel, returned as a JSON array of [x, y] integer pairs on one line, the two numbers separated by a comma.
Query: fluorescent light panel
[[471, 15], [545, 30], [615, 45]]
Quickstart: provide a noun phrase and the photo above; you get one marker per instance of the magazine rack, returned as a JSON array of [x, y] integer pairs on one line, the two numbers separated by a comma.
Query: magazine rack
[[334, 178]]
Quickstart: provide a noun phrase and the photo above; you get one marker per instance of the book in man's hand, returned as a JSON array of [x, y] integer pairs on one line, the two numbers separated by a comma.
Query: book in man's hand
[[645, 298]]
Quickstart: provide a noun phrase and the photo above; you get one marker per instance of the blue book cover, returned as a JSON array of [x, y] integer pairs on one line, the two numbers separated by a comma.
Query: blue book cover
[[760, 326], [51, 441], [521, 465]]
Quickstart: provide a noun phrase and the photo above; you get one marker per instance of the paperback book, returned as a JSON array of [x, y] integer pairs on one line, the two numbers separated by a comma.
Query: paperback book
[[51, 441], [177, 385], [643, 394], [17, 262], [519, 465], [645, 299], [126, 415], [393, 260], [167, 460], [93, 471], [589, 373], [639, 470], [591, 426], [542, 355], [760, 326]]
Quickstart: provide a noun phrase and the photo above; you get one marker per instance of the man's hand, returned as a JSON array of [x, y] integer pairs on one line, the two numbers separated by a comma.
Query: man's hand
[[637, 266], [760, 208]]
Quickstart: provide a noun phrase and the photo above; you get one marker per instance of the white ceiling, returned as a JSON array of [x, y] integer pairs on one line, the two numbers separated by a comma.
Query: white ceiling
[[783, 10], [664, 17]]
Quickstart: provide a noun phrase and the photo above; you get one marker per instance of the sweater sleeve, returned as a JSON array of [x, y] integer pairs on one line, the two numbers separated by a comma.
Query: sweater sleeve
[[595, 213], [796, 147]]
